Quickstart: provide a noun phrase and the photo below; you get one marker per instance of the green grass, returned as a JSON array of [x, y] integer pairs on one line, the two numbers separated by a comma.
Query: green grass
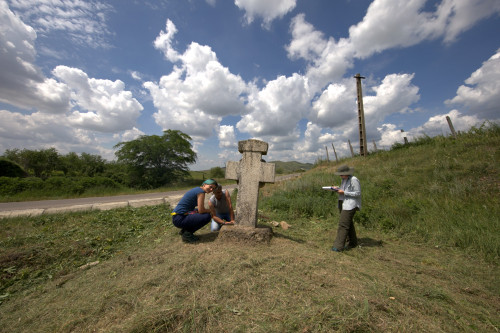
[[440, 191], [70, 188], [428, 260]]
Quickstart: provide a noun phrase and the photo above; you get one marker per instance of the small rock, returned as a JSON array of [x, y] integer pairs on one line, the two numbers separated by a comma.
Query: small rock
[[284, 225]]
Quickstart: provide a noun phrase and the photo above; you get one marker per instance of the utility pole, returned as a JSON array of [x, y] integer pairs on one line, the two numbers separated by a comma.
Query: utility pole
[[363, 150]]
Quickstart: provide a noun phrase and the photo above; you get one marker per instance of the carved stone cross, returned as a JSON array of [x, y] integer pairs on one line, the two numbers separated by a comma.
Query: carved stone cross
[[250, 173]]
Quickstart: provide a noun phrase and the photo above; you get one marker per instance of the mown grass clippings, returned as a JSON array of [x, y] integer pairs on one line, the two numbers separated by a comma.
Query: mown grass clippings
[[427, 260]]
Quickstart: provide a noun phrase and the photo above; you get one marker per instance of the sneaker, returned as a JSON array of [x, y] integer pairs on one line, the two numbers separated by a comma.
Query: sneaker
[[188, 237], [181, 232], [350, 247], [334, 249]]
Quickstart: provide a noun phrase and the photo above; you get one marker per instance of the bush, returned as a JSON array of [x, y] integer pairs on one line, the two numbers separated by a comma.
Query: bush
[[54, 186], [12, 186], [217, 172], [11, 169]]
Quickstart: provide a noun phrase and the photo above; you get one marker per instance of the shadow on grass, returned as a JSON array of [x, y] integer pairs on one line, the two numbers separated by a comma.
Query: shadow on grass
[[208, 237], [297, 240], [369, 242]]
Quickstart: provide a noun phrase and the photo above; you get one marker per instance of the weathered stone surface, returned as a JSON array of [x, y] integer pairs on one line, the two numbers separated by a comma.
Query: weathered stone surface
[[244, 234], [251, 172]]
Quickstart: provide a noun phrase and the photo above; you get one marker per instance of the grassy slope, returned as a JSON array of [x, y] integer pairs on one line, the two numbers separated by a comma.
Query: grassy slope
[[409, 275], [292, 166]]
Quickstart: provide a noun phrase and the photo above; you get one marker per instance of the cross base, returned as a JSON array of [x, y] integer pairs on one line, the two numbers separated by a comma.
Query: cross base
[[246, 235]]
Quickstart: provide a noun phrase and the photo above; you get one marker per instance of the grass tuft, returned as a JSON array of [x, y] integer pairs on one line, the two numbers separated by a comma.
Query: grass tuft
[[428, 260]]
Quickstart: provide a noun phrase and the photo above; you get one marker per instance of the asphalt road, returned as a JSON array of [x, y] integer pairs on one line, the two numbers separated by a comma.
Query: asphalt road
[[39, 206]]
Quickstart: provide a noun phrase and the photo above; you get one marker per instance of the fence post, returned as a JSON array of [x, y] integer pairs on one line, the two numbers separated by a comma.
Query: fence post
[[327, 157], [336, 159], [350, 146], [452, 129], [405, 138], [374, 146]]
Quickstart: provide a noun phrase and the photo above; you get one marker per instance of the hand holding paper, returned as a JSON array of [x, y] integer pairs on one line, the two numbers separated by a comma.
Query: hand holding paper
[[331, 188]]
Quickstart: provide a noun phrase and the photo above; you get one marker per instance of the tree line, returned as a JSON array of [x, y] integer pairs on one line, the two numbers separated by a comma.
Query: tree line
[[150, 161]]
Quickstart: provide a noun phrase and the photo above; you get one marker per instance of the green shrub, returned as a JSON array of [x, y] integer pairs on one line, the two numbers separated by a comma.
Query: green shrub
[[11, 169]]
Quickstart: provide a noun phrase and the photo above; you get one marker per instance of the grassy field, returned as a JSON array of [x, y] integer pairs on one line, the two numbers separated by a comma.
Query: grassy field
[[428, 260]]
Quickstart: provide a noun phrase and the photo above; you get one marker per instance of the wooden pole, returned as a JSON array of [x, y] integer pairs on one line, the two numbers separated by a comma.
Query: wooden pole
[[405, 138], [374, 145], [363, 150], [327, 157], [336, 159], [350, 146], [452, 129]]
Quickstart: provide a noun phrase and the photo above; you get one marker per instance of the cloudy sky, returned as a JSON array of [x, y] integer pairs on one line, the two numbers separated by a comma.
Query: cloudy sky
[[83, 75]]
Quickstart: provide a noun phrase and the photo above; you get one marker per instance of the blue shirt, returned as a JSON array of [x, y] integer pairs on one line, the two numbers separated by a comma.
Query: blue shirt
[[352, 193], [189, 201]]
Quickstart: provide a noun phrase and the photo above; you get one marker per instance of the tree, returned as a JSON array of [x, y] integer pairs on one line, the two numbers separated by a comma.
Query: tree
[[92, 164], [216, 172], [71, 164], [40, 163], [154, 161]]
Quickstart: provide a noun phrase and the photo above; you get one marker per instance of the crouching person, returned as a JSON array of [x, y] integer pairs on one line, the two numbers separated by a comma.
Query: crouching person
[[221, 208], [190, 213]]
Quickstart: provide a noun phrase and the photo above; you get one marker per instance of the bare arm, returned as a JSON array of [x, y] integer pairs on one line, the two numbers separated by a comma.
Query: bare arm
[[214, 216], [229, 203], [201, 204]]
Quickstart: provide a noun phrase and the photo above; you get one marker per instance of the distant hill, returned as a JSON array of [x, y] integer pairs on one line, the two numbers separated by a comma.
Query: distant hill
[[281, 167], [293, 166]]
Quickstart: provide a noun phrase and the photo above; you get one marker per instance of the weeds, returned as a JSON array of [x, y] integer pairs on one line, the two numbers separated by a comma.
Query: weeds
[[428, 260], [433, 190]]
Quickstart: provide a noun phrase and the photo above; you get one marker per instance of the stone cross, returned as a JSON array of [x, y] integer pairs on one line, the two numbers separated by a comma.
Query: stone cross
[[251, 172]]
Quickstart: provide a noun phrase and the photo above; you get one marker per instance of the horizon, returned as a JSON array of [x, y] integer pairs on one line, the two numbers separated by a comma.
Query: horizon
[[83, 76]]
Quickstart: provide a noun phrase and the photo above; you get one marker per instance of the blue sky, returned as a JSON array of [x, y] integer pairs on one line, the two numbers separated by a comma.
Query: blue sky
[[82, 76]]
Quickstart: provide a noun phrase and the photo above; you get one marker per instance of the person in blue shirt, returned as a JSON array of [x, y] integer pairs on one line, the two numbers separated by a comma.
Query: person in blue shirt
[[187, 217], [349, 202]]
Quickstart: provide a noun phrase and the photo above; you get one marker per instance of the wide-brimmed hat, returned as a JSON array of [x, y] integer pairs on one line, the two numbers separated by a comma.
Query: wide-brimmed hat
[[344, 170]]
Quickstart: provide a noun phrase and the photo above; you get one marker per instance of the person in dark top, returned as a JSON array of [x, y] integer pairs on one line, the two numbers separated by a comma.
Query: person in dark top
[[187, 217]]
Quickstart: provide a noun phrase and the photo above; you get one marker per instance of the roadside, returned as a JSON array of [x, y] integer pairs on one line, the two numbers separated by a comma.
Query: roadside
[[34, 208]]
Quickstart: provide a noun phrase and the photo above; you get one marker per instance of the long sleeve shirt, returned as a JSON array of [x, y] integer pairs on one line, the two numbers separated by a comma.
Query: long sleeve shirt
[[352, 193]]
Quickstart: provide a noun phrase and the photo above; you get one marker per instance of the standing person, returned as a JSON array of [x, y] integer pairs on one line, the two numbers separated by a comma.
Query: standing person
[[221, 208], [189, 219], [349, 202]]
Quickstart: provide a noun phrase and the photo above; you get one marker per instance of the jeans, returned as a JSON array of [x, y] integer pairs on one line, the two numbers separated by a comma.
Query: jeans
[[191, 222], [214, 226]]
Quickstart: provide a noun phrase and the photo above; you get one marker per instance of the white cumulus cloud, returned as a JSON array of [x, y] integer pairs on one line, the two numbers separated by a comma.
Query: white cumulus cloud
[[227, 137], [480, 94], [266, 9], [277, 108], [199, 91], [101, 105], [22, 83]]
